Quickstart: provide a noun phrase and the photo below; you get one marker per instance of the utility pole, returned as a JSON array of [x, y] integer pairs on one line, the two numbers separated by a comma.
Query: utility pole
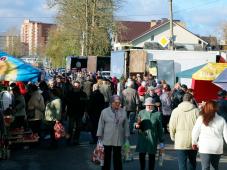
[[171, 44], [86, 30]]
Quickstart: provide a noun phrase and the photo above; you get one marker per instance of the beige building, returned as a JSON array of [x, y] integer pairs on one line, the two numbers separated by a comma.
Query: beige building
[[156, 35], [34, 35]]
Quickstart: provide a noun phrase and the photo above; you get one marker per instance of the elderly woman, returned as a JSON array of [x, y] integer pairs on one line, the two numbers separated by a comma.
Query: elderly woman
[[149, 125], [113, 129]]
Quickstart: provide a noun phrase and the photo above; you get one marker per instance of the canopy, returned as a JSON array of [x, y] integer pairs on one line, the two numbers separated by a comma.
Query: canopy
[[14, 69], [221, 80], [202, 84], [188, 73], [210, 71]]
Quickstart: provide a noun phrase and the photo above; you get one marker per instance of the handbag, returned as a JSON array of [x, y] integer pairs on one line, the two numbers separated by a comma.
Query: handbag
[[59, 130], [98, 154]]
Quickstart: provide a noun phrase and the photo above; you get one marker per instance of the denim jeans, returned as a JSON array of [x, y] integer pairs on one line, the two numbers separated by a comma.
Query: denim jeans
[[183, 156], [209, 159]]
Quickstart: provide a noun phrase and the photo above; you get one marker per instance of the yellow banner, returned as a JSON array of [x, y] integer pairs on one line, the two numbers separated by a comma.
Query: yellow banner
[[209, 71]]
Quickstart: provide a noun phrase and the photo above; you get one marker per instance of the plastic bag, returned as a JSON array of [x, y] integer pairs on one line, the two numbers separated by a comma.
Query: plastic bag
[[98, 154], [161, 154], [59, 130], [127, 152]]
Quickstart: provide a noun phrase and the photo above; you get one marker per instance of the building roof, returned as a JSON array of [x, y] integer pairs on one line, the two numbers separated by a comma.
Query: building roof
[[129, 30], [211, 40], [162, 24]]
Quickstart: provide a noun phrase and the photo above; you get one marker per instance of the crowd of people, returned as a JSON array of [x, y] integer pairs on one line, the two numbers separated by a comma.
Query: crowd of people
[[118, 108]]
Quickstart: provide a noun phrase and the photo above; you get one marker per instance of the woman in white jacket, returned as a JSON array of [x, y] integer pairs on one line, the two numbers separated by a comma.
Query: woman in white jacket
[[208, 134]]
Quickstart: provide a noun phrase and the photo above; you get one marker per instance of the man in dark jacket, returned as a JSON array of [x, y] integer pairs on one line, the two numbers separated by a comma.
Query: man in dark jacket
[[76, 107], [222, 104], [95, 105]]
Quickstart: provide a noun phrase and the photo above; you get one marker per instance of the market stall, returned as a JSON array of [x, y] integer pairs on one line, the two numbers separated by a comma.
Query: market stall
[[221, 80], [202, 80], [16, 70]]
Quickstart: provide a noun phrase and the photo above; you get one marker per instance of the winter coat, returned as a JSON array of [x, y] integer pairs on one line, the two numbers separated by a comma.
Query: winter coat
[[36, 103], [106, 91], [166, 103], [222, 108], [210, 138], [150, 132], [181, 123], [76, 102], [19, 105], [130, 99], [53, 110], [96, 104], [142, 90], [113, 127], [87, 88]]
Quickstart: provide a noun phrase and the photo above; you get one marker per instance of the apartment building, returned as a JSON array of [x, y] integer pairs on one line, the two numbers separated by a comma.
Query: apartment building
[[2, 41], [35, 35]]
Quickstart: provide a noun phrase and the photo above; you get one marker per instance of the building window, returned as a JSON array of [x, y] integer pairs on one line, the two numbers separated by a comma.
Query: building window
[[200, 42], [152, 37]]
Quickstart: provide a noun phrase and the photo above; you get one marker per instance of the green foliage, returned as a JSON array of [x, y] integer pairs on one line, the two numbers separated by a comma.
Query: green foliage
[[85, 28]]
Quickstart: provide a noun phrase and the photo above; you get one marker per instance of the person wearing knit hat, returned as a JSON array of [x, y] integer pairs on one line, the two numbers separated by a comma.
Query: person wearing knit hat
[[150, 132], [115, 98]]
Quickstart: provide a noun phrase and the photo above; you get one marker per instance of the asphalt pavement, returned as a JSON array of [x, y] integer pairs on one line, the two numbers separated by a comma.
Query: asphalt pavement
[[79, 157]]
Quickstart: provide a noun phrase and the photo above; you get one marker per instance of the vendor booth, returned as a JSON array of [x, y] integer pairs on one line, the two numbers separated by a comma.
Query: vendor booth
[[16, 70], [221, 80], [202, 81], [202, 77]]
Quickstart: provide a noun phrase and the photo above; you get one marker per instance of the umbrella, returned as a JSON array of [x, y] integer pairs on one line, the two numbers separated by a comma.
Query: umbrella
[[15, 69], [221, 80]]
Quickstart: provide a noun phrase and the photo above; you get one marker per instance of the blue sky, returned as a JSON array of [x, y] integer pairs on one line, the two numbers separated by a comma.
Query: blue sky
[[202, 17]]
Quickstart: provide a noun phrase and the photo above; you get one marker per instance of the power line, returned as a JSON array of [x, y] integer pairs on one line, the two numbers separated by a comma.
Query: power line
[[195, 7], [25, 17]]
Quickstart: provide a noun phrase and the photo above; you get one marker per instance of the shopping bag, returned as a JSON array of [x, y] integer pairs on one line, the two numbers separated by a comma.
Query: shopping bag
[[127, 155], [98, 154], [59, 130]]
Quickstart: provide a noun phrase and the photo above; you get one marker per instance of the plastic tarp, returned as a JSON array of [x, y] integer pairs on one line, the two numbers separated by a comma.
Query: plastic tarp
[[202, 84], [188, 73], [221, 80], [210, 71], [15, 69], [204, 90]]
